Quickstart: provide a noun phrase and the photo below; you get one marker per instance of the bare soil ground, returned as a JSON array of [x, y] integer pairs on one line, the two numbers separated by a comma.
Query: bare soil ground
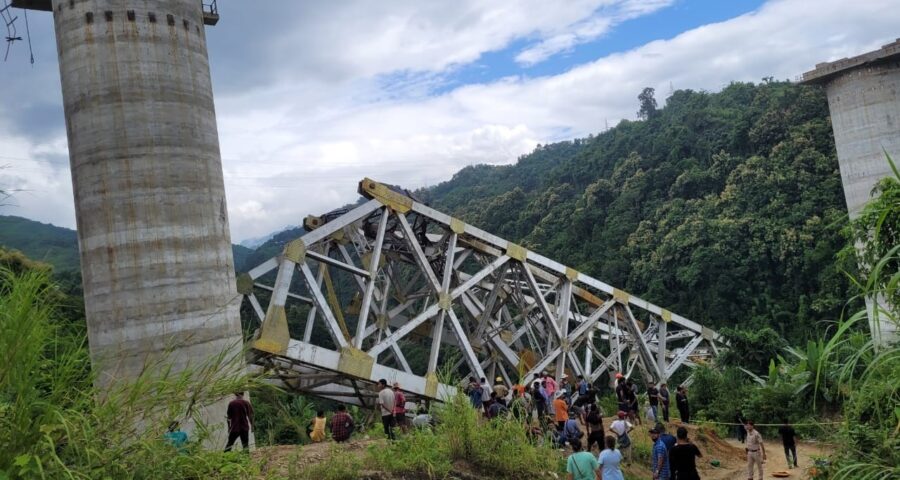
[[284, 460]]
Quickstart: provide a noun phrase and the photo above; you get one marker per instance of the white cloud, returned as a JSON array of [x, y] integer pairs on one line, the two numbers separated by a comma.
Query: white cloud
[[328, 112], [589, 29]]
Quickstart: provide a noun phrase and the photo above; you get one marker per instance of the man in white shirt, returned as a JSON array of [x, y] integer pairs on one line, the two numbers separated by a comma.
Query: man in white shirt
[[386, 404], [620, 428]]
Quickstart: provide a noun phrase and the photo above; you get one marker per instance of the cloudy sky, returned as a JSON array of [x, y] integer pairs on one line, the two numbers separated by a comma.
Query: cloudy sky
[[313, 95]]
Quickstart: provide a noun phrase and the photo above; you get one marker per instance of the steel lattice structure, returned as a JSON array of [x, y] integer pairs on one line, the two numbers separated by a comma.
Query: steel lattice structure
[[476, 303]]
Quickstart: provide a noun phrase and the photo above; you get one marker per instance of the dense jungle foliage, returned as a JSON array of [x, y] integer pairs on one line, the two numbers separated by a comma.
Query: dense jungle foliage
[[724, 207]]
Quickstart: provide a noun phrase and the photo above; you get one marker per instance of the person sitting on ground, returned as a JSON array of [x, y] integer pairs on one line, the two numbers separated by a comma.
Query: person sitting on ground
[[498, 406], [610, 460], [570, 432], [581, 465], [341, 425], [682, 457], [423, 419], [659, 458], [318, 427], [788, 440], [621, 428], [175, 437], [666, 438], [560, 410], [595, 429]]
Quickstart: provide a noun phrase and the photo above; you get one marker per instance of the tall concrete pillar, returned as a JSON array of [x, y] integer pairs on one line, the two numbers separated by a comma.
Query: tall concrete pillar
[[864, 102], [149, 194]]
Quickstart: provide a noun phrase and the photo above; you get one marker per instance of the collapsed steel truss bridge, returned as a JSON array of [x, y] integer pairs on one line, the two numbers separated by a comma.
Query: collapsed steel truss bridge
[[419, 282]]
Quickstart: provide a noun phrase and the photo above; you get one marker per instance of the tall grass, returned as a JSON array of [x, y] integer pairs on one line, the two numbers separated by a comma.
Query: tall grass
[[867, 372], [55, 424]]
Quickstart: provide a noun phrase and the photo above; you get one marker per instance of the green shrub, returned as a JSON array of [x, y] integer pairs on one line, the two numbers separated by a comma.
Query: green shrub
[[338, 466], [55, 424], [421, 454]]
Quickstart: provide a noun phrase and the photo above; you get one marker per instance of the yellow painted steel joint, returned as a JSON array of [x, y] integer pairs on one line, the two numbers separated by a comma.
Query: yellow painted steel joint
[[244, 283], [666, 315], [312, 222], [457, 226], [621, 295], [274, 336], [444, 301], [381, 321], [571, 274], [396, 201], [516, 252], [564, 345], [295, 250], [356, 362], [431, 385]]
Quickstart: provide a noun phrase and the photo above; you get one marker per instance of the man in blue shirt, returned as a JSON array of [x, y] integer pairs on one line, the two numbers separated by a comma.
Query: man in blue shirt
[[659, 461], [667, 439]]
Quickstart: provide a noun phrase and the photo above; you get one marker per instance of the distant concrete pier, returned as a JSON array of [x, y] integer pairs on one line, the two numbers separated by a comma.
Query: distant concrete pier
[[149, 194], [864, 101]]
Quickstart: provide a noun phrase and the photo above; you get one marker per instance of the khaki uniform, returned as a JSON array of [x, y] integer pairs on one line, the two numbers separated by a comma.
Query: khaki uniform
[[754, 454]]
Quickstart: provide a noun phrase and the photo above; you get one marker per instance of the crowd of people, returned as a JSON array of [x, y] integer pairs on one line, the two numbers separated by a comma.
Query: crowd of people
[[562, 413]]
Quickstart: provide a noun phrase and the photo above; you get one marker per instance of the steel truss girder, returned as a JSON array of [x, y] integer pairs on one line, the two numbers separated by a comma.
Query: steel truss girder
[[418, 274]]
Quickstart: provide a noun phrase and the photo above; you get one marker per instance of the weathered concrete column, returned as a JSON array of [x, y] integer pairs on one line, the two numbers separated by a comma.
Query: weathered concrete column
[[149, 194], [864, 102]]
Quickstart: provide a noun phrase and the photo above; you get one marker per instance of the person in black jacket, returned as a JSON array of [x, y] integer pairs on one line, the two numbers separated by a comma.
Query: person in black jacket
[[683, 456], [788, 439], [681, 401]]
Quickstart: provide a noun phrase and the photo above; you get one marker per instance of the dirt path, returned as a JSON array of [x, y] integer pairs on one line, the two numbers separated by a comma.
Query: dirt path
[[283, 460], [735, 467]]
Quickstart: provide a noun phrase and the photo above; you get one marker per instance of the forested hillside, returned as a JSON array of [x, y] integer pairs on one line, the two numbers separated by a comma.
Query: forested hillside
[[58, 246], [725, 207]]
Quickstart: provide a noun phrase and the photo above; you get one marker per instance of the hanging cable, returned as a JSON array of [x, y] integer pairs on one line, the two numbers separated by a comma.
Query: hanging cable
[[28, 36]]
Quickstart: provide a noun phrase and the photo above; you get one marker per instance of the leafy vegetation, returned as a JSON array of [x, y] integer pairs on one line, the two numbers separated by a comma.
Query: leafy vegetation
[[55, 424], [724, 207]]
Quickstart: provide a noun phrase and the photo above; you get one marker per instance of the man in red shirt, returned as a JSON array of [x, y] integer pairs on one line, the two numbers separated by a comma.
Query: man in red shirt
[[341, 425], [240, 420], [400, 408]]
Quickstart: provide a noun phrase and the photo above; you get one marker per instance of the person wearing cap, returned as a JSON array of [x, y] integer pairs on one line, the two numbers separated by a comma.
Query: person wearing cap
[[756, 450], [560, 410], [621, 427], [400, 408], [500, 388], [659, 459]]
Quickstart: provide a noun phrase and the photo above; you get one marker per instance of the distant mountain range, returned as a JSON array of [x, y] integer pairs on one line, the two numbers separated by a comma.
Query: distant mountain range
[[58, 246]]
